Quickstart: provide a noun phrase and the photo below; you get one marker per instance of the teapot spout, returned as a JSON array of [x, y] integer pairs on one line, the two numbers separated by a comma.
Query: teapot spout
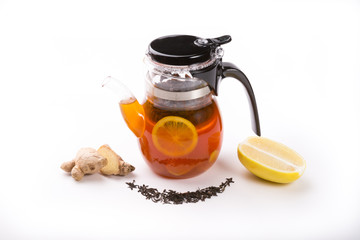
[[131, 110]]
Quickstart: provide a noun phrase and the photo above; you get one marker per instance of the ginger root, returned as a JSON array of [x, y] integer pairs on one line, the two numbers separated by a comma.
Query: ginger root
[[89, 161], [86, 161], [116, 165]]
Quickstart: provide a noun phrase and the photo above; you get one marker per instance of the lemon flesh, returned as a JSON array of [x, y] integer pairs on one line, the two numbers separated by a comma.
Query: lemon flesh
[[271, 160], [174, 136]]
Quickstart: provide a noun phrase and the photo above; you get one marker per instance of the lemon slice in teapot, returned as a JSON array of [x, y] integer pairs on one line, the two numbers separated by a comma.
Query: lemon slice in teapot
[[174, 136]]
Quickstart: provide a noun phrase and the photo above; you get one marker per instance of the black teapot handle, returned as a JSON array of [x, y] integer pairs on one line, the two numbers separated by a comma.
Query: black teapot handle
[[230, 70]]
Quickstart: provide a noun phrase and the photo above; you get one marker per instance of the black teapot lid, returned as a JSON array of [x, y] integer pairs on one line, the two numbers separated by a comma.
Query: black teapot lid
[[184, 49]]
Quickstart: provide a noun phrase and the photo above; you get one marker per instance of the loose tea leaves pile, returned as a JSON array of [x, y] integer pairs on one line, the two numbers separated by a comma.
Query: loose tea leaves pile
[[173, 197]]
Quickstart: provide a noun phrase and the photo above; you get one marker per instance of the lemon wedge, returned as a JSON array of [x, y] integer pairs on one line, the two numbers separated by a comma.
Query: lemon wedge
[[271, 160]]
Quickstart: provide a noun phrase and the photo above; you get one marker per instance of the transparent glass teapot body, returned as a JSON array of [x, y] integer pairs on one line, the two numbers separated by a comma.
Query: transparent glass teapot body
[[183, 132]]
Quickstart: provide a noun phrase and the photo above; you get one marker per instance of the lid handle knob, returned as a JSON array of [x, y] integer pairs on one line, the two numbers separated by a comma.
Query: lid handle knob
[[213, 42]]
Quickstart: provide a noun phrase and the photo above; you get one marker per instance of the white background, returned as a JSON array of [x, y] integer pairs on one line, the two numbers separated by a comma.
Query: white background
[[302, 58]]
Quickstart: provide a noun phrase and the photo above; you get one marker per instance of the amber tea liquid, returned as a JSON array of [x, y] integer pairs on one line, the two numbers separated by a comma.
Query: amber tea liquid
[[198, 156]]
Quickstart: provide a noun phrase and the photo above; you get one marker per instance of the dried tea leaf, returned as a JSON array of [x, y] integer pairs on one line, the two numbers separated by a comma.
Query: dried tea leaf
[[173, 197]]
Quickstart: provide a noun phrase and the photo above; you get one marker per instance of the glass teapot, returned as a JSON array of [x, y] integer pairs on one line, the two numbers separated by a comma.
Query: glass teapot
[[179, 125]]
